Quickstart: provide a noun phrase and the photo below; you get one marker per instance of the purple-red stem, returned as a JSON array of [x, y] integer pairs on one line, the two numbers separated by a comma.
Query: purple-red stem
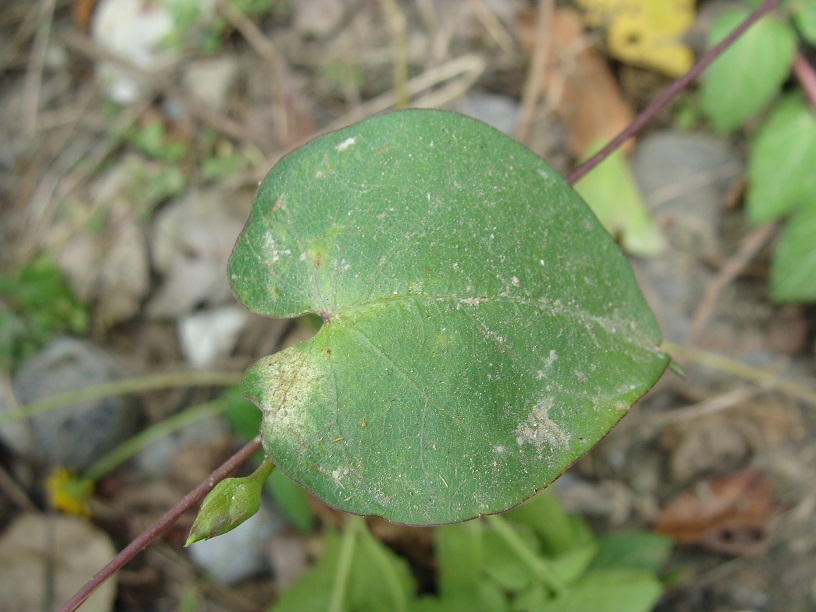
[[161, 525], [806, 77], [670, 92]]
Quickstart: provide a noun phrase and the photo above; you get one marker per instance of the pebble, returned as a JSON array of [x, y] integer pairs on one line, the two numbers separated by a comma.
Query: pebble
[[77, 435], [211, 335], [499, 111], [210, 81], [45, 559], [684, 178], [191, 241]]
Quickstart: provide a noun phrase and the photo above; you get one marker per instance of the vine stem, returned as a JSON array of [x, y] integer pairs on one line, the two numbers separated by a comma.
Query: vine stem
[[734, 367], [669, 93], [162, 524], [344, 563], [807, 77], [145, 438], [139, 384], [537, 565]]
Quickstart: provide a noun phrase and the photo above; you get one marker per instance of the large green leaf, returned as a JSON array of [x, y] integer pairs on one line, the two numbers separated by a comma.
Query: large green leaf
[[749, 73], [481, 331]]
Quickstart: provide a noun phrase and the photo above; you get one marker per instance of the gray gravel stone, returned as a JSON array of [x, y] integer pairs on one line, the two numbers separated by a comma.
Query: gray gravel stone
[[684, 178], [77, 435]]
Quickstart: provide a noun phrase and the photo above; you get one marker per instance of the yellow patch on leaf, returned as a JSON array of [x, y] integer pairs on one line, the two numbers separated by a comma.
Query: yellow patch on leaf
[[644, 33]]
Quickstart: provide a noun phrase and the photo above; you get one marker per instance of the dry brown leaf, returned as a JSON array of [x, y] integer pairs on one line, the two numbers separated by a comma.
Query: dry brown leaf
[[579, 85], [82, 11], [730, 514]]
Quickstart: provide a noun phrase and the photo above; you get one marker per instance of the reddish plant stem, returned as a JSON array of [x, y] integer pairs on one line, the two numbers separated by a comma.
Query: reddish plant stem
[[670, 92], [161, 525], [806, 77]]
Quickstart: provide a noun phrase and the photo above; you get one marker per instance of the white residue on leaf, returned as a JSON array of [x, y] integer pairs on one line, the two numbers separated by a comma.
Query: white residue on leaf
[[339, 474], [345, 144], [515, 280], [551, 359], [540, 430], [472, 301], [271, 247], [288, 385]]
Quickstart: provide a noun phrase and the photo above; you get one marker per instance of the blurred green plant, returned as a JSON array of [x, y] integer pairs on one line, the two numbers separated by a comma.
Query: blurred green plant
[[36, 304], [744, 85], [196, 28], [225, 161], [535, 557], [151, 139]]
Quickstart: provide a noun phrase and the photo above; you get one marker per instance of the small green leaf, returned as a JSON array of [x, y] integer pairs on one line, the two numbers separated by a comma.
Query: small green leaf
[[374, 579], [504, 566], [747, 76], [612, 194], [571, 565], [557, 531], [482, 330], [291, 498], [231, 502], [460, 554], [782, 160], [637, 550], [612, 590], [242, 415], [36, 304], [804, 18], [793, 267]]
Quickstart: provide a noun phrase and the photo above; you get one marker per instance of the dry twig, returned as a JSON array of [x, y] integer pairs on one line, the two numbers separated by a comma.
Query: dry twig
[[36, 63], [534, 84], [750, 247]]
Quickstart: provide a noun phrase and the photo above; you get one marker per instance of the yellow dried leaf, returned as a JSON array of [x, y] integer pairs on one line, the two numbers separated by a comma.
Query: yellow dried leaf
[[644, 32]]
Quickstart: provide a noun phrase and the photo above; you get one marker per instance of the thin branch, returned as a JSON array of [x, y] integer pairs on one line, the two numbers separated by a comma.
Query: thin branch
[[161, 525], [268, 52], [738, 369], [139, 384], [750, 247], [33, 82], [671, 91], [706, 407], [534, 83], [399, 34], [806, 76]]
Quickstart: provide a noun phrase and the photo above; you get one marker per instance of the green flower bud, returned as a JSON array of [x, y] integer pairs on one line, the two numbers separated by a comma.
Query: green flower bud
[[231, 502]]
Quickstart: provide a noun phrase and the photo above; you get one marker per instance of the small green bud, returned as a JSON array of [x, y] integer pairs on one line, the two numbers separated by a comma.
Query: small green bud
[[231, 502]]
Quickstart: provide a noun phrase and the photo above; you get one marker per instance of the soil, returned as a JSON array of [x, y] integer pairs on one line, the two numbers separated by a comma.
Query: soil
[[734, 432]]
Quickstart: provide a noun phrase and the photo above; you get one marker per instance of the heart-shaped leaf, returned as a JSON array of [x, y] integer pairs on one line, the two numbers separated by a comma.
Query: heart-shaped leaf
[[482, 330]]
